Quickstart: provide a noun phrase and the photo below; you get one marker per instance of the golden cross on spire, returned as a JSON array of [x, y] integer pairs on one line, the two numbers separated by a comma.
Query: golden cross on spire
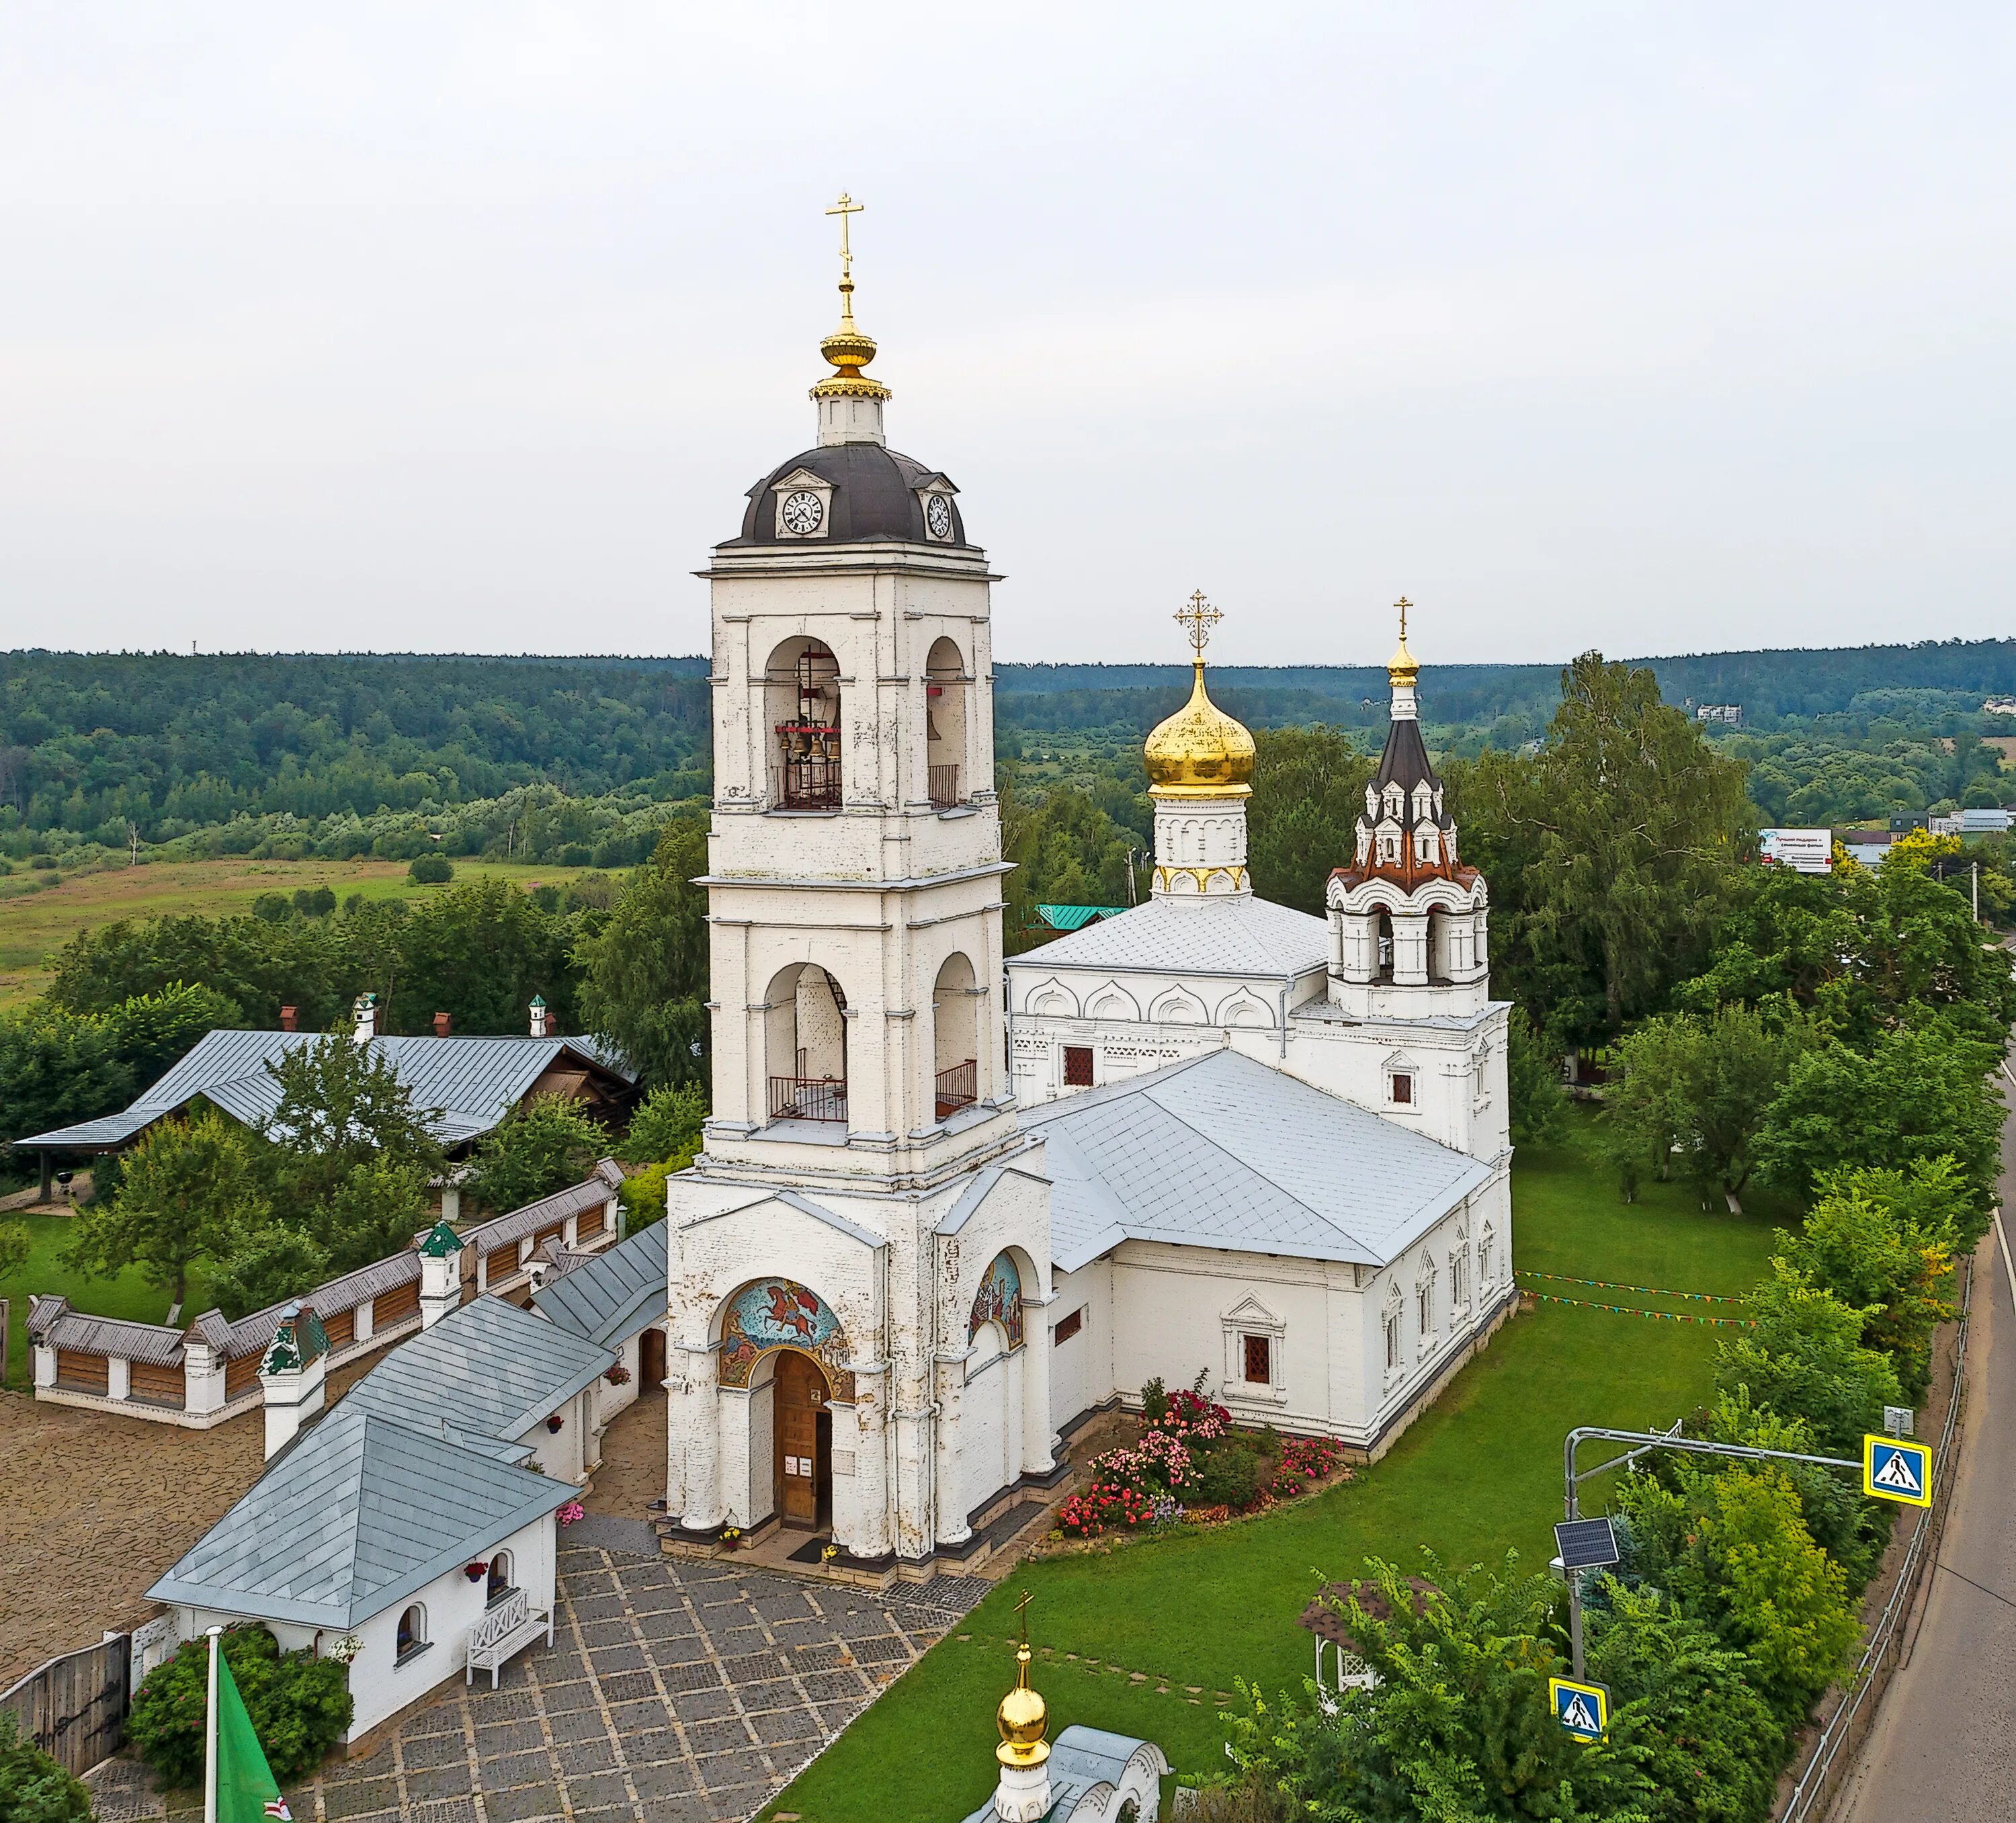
[[1197, 618], [1022, 1614], [844, 207], [1403, 605]]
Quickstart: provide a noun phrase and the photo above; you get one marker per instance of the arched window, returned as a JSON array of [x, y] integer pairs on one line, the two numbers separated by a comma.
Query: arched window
[[1424, 1298], [955, 1037], [946, 687], [802, 698], [412, 1635], [804, 1043], [1382, 935], [1392, 1341], [497, 1585]]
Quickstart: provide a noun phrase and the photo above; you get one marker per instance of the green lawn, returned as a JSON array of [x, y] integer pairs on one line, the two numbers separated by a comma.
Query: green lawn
[[128, 1295], [1479, 1473]]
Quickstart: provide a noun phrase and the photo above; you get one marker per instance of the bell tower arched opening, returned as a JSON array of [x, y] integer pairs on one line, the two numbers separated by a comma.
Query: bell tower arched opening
[[955, 998], [801, 701], [946, 683], [805, 1044]]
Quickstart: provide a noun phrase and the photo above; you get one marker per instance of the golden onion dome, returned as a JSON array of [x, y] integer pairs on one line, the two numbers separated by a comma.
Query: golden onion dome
[[1199, 751], [1023, 1717]]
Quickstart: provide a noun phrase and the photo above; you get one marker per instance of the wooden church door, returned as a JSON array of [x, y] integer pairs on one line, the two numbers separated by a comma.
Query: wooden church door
[[802, 1471]]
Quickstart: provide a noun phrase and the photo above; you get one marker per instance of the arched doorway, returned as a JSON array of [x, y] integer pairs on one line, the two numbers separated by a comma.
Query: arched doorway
[[803, 1428], [990, 1444]]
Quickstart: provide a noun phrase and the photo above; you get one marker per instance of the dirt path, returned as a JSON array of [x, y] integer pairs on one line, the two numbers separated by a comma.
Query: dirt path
[[97, 1507]]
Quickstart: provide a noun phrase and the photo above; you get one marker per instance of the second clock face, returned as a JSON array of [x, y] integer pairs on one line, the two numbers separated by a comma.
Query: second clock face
[[937, 515], [801, 512]]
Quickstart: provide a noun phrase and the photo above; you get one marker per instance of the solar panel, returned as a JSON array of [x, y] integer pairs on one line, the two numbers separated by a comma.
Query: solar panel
[[1586, 1544]]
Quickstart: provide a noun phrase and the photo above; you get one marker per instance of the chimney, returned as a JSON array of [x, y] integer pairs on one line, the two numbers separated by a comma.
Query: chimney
[[441, 1273], [539, 1016], [444, 1026], [290, 1377], [367, 1018], [291, 1019]]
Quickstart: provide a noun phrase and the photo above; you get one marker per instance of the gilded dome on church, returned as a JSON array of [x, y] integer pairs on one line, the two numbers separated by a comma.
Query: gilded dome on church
[[1199, 751], [1023, 1717]]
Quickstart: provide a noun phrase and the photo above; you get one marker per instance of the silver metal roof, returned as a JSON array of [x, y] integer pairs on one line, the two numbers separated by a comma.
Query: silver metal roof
[[1220, 1151], [469, 1084], [360, 1512], [1230, 935], [610, 1297], [490, 1368]]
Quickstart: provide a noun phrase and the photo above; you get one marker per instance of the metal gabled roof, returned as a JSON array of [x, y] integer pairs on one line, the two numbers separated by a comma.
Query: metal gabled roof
[[1220, 1151], [1232, 934], [464, 1085], [55, 1325], [361, 1511], [610, 1297], [490, 1368]]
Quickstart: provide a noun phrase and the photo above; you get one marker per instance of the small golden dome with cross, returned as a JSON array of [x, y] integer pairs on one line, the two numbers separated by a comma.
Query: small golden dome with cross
[[1023, 1717], [849, 348], [1199, 751], [1401, 668]]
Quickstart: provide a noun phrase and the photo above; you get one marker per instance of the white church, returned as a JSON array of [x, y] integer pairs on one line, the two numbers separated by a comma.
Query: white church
[[948, 1208]]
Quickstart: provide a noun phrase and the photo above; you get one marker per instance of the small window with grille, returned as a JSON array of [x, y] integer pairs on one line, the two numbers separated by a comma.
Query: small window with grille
[[1078, 1067], [1403, 1089], [1069, 1326], [1260, 1360]]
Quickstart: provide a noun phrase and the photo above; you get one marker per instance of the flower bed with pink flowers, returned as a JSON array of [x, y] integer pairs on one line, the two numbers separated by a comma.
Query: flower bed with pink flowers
[[1189, 1466]]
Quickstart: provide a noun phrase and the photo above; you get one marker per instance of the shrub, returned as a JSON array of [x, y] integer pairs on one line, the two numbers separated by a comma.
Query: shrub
[[300, 1705], [1229, 1477], [1154, 1402], [33, 1788], [431, 870]]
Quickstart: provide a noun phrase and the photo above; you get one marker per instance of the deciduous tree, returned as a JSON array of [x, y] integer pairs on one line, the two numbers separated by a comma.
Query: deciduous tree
[[644, 973]]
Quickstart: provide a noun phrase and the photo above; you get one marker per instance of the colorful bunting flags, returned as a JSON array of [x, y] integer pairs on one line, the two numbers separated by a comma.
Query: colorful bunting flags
[[1651, 1291], [1548, 1297]]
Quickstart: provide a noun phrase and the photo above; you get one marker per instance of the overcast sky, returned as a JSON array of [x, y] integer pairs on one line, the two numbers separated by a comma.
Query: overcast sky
[[461, 327]]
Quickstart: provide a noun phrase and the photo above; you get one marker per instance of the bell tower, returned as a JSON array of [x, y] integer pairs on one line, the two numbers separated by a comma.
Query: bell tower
[[854, 861], [1407, 919]]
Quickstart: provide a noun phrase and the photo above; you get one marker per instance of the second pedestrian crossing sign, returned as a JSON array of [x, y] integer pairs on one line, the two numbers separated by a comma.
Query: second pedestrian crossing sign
[[1895, 1469], [1583, 1710]]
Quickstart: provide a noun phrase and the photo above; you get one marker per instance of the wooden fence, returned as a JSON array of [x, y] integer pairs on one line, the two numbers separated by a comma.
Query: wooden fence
[[74, 1707]]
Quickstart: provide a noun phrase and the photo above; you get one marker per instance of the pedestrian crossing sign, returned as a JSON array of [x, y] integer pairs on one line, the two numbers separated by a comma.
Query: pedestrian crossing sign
[[1893, 1468], [1583, 1710]]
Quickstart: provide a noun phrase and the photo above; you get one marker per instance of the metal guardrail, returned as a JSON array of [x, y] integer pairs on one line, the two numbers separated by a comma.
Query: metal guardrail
[[1817, 1782]]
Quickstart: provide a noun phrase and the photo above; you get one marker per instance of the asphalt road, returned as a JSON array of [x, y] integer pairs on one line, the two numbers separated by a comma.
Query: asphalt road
[[1944, 1746]]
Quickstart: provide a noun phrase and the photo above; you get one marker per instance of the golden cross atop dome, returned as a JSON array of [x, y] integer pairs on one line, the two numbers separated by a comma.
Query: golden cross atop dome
[[1022, 1614], [847, 348], [844, 207], [1198, 616], [1403, 605]]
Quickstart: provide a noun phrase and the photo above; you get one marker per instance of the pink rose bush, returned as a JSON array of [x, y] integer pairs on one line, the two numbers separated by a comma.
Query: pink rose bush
[[1154, 1481]]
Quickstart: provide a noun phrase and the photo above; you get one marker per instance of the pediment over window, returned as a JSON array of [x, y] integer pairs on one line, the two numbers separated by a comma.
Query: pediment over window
[[1251, 1311]]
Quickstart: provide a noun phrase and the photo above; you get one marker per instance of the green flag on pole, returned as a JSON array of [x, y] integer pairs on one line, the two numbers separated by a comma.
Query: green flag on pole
[[243, 1788]]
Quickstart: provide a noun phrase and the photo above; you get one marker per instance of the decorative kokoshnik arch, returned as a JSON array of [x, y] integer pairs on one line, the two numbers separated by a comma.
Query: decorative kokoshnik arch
[[779, 1313], [998, 1300]]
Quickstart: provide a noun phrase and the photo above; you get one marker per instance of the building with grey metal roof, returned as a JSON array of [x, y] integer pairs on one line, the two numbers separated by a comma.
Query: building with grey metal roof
[[361, 1512], [1220, 1151], [463, 1086], [490, 1368], [610, 1297]]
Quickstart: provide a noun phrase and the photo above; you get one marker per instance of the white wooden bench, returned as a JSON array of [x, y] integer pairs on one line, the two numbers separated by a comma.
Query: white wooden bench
[[505, 1629]]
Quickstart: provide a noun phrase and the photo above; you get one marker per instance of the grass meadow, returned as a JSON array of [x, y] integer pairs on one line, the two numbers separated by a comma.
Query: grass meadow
[[36, 921]]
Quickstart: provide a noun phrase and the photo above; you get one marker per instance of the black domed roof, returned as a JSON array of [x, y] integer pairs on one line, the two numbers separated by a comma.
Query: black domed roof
[[874, 497]]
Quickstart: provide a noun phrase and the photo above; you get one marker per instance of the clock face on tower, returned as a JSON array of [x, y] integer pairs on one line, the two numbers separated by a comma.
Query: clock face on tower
[[937, 515], [801, 512]]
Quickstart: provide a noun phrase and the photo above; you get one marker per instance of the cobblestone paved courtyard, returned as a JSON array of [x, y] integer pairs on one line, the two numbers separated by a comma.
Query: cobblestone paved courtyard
[[673, 1691]]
